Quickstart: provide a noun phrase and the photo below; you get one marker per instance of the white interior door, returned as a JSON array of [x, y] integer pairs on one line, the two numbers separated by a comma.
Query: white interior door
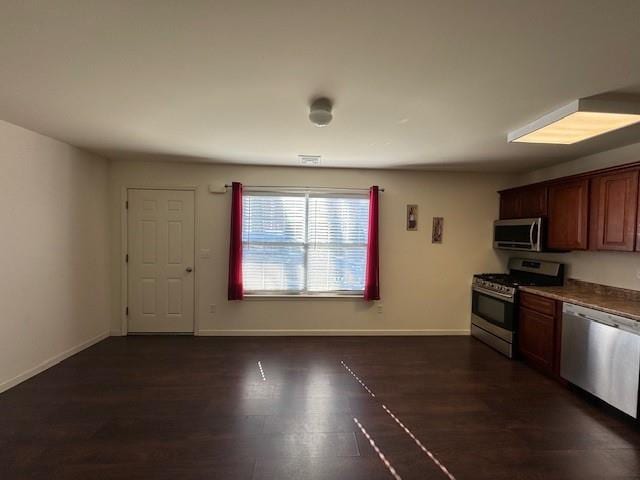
[[161, 261]]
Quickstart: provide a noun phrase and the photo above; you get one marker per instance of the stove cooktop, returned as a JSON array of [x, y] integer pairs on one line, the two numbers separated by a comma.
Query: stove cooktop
[[511, 280], [516, 280]]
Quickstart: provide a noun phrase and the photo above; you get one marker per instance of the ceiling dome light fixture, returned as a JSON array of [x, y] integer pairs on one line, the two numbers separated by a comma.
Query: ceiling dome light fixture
[[320, 112]]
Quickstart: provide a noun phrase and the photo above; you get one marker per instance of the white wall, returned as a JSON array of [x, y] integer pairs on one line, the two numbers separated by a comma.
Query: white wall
[[610, 158], [425, 287], [54, 293], [619, 269]]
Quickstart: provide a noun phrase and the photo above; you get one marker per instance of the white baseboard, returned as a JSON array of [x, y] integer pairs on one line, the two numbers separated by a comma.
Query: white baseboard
[[337, 332], [6, 385]]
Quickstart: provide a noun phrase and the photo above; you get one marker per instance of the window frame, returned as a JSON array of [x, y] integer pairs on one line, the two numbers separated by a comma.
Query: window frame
[[305, 292]]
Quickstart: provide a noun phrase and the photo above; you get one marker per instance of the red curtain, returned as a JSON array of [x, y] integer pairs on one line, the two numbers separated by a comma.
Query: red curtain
[[235, 244], [372, 275]]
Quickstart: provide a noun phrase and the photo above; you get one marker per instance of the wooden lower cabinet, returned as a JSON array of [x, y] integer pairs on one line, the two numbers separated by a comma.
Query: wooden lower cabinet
[[536, 333], [539, 332]]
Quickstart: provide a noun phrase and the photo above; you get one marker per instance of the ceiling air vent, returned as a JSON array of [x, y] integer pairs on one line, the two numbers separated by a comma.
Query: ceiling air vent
[[310, 160]]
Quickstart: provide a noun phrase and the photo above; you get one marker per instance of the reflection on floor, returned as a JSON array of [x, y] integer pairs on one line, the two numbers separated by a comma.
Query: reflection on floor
[[284, 408]]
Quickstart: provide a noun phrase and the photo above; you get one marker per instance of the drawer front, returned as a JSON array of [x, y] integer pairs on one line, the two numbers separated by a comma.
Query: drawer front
[[544, 305]]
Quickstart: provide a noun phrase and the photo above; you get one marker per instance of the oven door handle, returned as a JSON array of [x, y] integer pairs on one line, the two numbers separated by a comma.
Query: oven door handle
[[499, 296]]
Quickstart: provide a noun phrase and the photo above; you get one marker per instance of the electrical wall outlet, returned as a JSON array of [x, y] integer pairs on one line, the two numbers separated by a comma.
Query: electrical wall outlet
[[379, 308]]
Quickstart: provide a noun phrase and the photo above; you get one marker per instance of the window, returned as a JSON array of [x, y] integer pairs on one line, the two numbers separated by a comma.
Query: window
[[304, 243]]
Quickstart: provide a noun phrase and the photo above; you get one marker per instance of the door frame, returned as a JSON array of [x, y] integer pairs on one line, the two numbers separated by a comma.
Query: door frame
[[124, 246]]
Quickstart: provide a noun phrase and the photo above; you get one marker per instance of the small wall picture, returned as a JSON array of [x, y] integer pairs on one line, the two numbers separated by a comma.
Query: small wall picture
[[412, 218], [436, 234]]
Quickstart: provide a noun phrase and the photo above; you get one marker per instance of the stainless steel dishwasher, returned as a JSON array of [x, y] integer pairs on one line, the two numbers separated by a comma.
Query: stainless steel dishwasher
[[601, 354]]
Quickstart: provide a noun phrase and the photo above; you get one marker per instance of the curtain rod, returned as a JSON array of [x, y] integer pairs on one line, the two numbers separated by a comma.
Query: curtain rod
[[306, 188]]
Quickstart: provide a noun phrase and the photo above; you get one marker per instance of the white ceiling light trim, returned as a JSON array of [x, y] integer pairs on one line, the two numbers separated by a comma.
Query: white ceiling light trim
[[579, 120]]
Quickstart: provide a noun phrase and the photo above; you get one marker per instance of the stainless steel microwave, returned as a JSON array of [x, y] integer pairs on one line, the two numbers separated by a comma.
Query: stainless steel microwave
[[525, 234]]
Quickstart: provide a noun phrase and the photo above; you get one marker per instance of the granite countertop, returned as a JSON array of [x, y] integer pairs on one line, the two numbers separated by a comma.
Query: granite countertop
[[617, 301]]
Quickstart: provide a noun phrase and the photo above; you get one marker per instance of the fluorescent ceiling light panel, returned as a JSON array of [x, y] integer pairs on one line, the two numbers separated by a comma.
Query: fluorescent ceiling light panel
[[578, 121]]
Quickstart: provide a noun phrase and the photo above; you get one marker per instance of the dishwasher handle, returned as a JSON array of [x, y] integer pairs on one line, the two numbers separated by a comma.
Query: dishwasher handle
[[603, 318], [601, 322]]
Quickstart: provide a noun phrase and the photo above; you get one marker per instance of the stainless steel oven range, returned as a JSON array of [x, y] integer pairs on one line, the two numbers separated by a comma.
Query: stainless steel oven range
[[494, 305]]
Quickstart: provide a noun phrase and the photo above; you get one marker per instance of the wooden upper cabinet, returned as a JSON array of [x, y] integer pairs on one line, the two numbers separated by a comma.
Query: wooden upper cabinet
[[524, 202], [533, 202], [599, 210], [568, 215], [510, 205], [614, 210]]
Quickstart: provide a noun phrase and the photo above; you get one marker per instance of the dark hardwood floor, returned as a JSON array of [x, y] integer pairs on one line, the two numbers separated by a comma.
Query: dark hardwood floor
[[198, 408]]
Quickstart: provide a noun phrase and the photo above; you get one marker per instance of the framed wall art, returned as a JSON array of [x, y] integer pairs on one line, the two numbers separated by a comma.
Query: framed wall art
[[436, 233], [412, 218]]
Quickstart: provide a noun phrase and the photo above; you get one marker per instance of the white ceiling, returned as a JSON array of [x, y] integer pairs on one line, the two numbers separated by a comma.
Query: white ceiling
[[418, 84]]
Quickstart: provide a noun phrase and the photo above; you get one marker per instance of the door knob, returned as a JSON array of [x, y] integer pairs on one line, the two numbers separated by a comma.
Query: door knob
[[189, 269]]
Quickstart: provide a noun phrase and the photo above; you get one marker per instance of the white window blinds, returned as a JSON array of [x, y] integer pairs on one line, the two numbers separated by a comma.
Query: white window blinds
[[304, 243]]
